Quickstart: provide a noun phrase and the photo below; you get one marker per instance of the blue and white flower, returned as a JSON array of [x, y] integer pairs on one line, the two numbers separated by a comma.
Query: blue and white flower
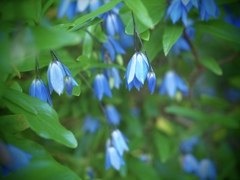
[[208, 9], [59, 76], [206, 170], [171, 83], [119, 141], [101, 86], [90, 124], [112, 74], [151, 78], [68, 8], [83, 5], [137, 70], [113, 116], [190, 164], [39, 90]]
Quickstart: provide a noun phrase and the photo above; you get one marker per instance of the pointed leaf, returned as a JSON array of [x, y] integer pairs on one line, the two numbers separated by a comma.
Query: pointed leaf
[[212, 65]]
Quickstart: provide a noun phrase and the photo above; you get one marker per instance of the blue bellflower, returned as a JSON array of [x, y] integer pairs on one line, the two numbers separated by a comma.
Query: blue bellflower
[[90, 125], [112, 46], [113, 23], [188, 144], [113, 74], [59, 76], [113, 158], [230, 18], [151, 78], [113, 116], [206, 170], [68, 8], [13, 157], [208, 9], [190, 164], [101, 86], [39, 90], [82, 5], [179, 9], [171, 83], [137, 70], [119, 141]]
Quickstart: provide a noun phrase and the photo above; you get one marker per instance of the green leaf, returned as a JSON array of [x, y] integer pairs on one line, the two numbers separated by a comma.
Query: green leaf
[[13, 123], [41, 117], [212, 65], [235, 81], [220, 29], [106, 7], [224, 120], [93, 21], [87, 45], [214, 102], [170, 35], [140, 12], [186, 112], [145, 35]]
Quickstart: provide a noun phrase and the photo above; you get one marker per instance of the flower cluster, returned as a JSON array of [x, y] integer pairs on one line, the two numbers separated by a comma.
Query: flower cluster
[[12, 158], [204, 169], [59, 76], [180, 8]]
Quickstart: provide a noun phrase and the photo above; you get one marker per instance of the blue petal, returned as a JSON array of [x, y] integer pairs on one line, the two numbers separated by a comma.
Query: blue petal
[[110, 24], [151, 81], [71, 10], [190, 164], [114, 158], [113, 116], [170, 83], [68, 84], [94, 4], [141, 68], [82, 5], [110, 49], [137, 84], [116, 77], [118, 142], [131, 69], [206, 170], [106, 87], [117, 46], [62, 9], [176, 12], [98, 86]]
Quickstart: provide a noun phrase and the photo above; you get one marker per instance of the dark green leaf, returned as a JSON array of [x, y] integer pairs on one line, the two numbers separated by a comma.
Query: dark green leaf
[[220, 29], [170, 35], [212, 65], [40, 116]]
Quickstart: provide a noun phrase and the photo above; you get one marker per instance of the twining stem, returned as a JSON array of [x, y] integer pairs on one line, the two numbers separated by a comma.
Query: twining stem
[[136, 45]]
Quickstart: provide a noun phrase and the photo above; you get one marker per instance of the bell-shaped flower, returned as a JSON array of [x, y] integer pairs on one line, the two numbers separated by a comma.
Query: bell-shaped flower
[[137, 70], [206, 170], [82, 5], [113, 23], [90, 124], [179, 9], [126, 40], [171, 83], [39, 90], [113, 116], [208, 9], [101, 86], [59, 76], [112, 46], [187, 145], [68, 8], [12, 158], [113, 158], [112, 75], [119, 141], [230, 18], [190, 164], [151, 78]]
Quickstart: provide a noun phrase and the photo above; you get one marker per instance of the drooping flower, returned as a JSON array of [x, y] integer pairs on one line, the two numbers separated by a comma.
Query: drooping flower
[[113, 23], [82, 5], [59, 76], [137, 70], [113, 116], [90, 124], [190, 164], [187, 145], [230, 18], [119, 142], [39, 90], [206, 170], [112, 46], [179, 9], [208, 9], [112, 75], [101, 86], [126, 40], [171, 83], [113, 158], [151, 78], [68, 8], [12, 158]]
